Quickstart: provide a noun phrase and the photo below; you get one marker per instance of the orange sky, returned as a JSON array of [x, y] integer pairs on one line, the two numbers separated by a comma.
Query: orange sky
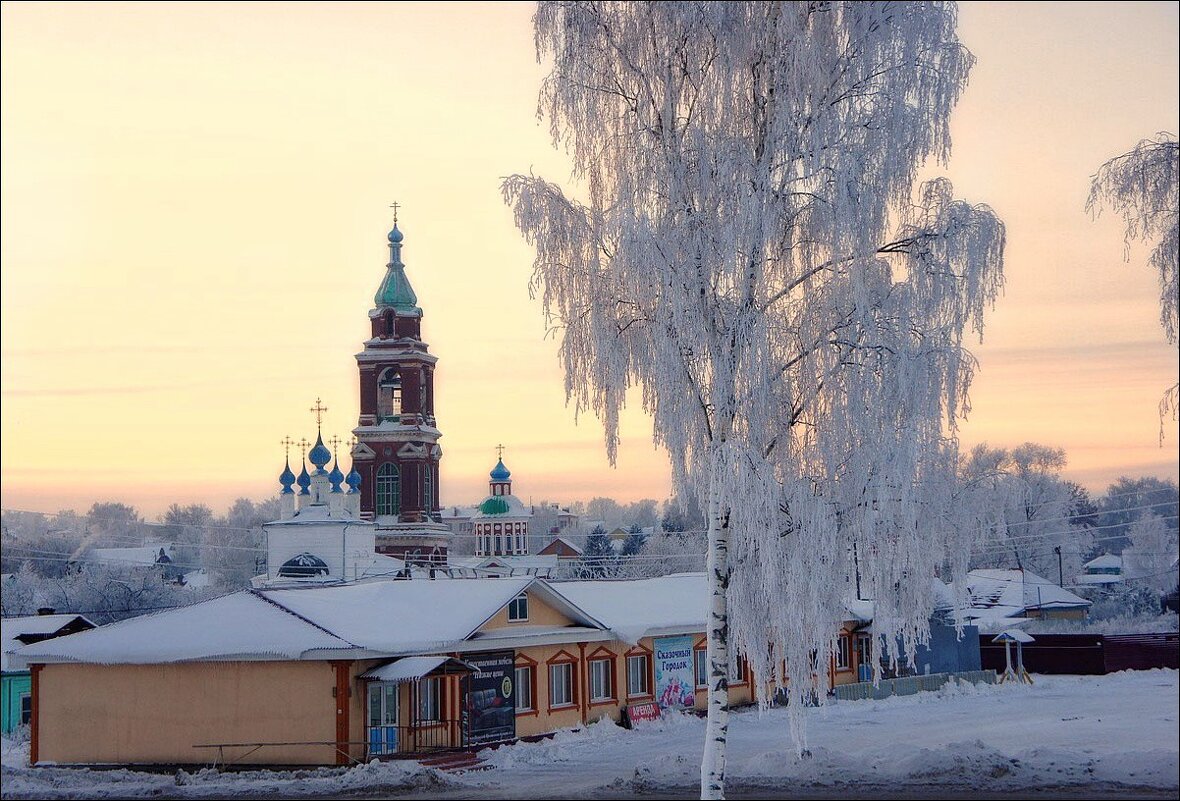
[[195, 202]]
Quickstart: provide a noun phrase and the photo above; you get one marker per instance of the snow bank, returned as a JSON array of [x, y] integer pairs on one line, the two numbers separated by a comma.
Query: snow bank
[[20, 781]]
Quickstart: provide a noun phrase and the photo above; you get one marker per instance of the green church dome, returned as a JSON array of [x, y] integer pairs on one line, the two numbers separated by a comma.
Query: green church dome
[[494, 505]]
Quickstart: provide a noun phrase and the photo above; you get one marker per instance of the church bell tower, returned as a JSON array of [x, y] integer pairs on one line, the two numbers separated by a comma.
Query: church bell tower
[[397, 451]]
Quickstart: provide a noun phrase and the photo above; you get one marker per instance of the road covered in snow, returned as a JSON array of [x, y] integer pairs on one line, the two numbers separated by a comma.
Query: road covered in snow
[[1066, 736]]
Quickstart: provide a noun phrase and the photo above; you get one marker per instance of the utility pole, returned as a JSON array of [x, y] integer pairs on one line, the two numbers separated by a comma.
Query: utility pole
[[1060, 577]]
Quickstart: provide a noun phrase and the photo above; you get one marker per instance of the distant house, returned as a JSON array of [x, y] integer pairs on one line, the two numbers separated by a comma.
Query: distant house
[[1104, 571], [996, 597], [561, 548], [16, 691], [160, 556]]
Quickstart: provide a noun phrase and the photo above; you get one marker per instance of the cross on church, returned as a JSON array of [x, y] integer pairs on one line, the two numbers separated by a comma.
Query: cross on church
[[395, 205], [287, 442], [319, 410], [335, 442], [304, 445], [500, 452]]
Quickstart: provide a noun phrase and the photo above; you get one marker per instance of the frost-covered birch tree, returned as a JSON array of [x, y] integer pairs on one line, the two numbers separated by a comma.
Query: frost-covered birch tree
[[746, 245], [1143, 187]]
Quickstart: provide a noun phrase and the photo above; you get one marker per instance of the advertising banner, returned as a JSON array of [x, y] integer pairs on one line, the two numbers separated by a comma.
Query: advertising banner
[[675, 683], [489, 710]]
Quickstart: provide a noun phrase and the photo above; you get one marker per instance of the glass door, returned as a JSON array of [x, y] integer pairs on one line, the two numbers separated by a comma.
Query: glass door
[[382, 722]]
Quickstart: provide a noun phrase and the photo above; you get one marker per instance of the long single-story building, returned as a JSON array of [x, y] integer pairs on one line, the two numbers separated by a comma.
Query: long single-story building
[[336, 674]]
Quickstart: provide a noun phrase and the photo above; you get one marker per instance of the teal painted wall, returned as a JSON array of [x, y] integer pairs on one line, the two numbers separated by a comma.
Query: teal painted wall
[[12, 687]]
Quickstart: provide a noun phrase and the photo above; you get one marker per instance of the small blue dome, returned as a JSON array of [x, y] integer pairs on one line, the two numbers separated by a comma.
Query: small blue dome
[[395, 235], [319, 454], [304, 481], [335, 478], [287, 478], [353, 480], [500, 472]]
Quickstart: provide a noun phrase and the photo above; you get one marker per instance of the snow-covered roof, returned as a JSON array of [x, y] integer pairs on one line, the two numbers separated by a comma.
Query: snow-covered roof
[[142, 556], [1009, 593], [12, 628], [318, 514], [526, 562], [566, 542], [1013, 635], [413, 667], [407, 617], [637, 608], [242, 626], [1104, 562]]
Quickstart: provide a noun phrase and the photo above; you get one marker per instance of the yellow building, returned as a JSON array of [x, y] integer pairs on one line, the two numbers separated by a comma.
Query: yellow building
[[337, 674]]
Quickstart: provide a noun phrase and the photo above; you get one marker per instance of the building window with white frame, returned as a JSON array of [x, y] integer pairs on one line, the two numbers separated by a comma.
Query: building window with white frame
[[701, 662], [430, 700], [842, 653], [518, 608], [737, 668], [600, 683], [561, 684], [524, 688], [638, 675]]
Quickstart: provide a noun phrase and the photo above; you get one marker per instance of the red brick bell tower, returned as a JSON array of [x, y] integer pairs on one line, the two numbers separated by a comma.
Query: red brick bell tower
[[396, 451]]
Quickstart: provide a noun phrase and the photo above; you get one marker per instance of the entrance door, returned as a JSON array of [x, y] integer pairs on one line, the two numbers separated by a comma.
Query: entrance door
[[382, 724]]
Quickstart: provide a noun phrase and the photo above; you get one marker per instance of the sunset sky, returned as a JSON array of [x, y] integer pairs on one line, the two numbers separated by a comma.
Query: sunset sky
[[195, 202]]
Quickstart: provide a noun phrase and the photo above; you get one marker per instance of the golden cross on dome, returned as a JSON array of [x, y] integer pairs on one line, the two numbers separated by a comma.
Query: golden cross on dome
[[287, 442], [304, 444], [351, 443], [319, 410], [335, 443], [500, 452], [395, 205]]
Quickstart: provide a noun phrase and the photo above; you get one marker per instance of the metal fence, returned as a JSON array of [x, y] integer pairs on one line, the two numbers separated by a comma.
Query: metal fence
[[909, 685], [1088, 654]]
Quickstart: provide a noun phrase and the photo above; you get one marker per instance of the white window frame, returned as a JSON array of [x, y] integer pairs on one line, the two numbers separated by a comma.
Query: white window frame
[[700, 662], [514, 608], [737, 668], [561, 677], [639, 666], [430, 700], [843, 653], [600, 680], [524, 688]]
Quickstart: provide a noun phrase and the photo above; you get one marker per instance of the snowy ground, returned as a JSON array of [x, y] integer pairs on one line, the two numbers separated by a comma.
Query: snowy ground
[[1066, 736]]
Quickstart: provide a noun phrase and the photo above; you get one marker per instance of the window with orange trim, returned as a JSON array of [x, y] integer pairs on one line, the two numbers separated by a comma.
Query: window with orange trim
[[563, 683]]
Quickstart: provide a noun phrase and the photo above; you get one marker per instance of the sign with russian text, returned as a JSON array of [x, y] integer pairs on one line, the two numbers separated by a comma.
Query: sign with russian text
[[675, 683], [489, 708], [648, 711]]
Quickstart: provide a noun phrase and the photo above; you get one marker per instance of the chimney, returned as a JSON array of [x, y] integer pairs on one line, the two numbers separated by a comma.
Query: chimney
[[45, 610]]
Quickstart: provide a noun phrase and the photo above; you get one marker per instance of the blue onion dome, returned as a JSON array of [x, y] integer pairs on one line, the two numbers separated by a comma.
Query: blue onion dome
[[500, 472], [304, 481], [287, 478], [336, 478], [353, 480], [395, 235], [319, 454]]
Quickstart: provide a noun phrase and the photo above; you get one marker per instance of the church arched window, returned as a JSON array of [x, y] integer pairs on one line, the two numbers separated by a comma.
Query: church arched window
[[389, 394], [389, 490], [428, 489]]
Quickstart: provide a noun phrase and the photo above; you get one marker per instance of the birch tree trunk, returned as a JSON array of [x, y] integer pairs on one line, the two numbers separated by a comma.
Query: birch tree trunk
[[717, 644]]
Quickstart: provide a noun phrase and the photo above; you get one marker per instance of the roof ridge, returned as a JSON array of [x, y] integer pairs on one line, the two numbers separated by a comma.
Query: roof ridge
[[258, 594]]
